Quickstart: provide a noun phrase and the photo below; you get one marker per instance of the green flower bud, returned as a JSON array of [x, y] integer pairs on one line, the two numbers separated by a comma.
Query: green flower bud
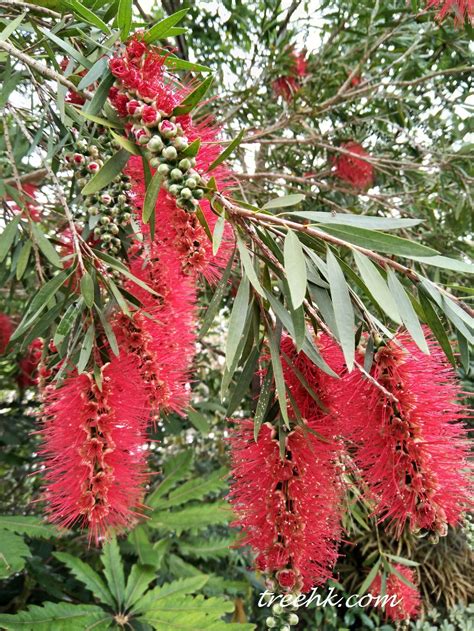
[[126, 217], [121, 198], [155, 162], [93, 210], [174, 190], [285, 627], [104, 220], [277, 609], [180, 143], [114, 229], [186, 193], [185, 164], [97, 232], [164, 169], [271, 622], [293, 619], [106, 238], [198, 193], [116, 241], [155, 144], [176, 174], [169, 153], [143, 140], [191, 182]]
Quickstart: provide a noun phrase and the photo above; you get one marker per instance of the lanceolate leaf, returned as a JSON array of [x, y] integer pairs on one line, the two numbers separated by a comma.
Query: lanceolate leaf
[[343, 311], [407, 312], [227, 151], [194, 98], [377, 286], [8, 236], [161, 29], [274, 344], [237, 320], [436, 325], [284, 201], [87, 15], [263, 400], [113, 167], [151, 196], [295, 267], [358, 221], [248, 267], [124, 18]]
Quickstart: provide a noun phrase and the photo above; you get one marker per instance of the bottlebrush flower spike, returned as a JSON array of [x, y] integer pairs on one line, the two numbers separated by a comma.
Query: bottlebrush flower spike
[[356, 171], [6, 329], [407, 599], [288, 85], [412, 453], [461, 9], [93, 449], [287, 508], [28, 365]]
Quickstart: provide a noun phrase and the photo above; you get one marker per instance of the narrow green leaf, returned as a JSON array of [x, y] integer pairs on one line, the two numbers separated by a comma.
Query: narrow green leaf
[[93, 74], [109, 333], [103, 122], [113, 570], [182, 64], [436, 325], [23, 259], [358, 221], [463, 351], [402, 560], [113, 167], [446, 263], [95, 105], [263, 399], [199, 421], [369, 578], [41, 300], [343, 311], [151, 196], [227, 151], [11, 27], [124, 18], [217, 235], [91, 18], [273, 343], [126, 144], [70, 50], [119, 266], [284, 201], [194, 98], [160, 29], [45, 246], [86, 349], [87, 289], [248, 267], [192, 149], [8, 236], [67, 321], [377, 286], [216, 300], [243, 381], [407, 312], [401, 577], [379, 241], [237, 321], [295, 267]]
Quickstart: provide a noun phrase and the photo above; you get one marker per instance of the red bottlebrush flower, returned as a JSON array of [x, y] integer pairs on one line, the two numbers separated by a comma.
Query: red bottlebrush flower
[[355, 170], [287, 85], [93, 449], [6, 329], [119, 68], [403, 602], [29, 198], [412, 452], [288, 508], [135, 49], [149, 115], [461, 9], [28, 365]]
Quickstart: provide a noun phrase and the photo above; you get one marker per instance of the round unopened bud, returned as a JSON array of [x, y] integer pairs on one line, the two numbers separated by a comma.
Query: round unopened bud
[[143, 139], [293, 619], [169, 153], [155, 162], [106, 238], [126, 217], [164, 169], [191, 182], [97, 232], [104, 220], [185, 164], [121, 198], [176, 174], [277, 609], [186, 193], [116, 241], [285, 627], [106, 199], [93, 151], [93, 167], [180, 143], [168, 129], [114, 229], [82, 181], [93, 210], [198, 193], [113, 212], [155, 144], [271, 622], [181, 203], [174, 190]]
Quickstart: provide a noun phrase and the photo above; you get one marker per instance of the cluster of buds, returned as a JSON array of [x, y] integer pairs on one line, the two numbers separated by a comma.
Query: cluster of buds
[[167, 148], [283, 614], [107, 212]]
